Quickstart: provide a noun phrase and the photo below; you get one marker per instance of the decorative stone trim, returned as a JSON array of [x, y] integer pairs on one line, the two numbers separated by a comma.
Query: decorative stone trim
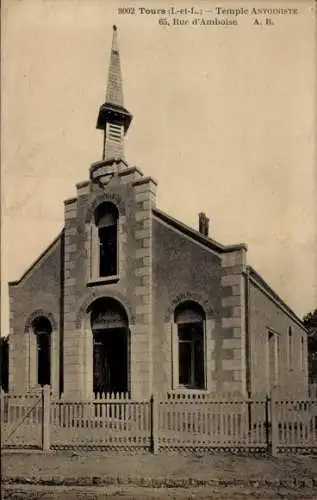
[[83, 188], [233, 321], [141, 216], [231, 280], [70, 201], [98, 294], [234, 258], [145, 180], [70, 231], [232, 300], [189, 296], [40, 312], [141, 375], [232, 343], [70, 214], [31, 350], [231, 364], [110, 197], [103, 281]]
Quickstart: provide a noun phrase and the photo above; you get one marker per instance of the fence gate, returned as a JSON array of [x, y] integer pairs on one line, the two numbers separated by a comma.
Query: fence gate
[[21, 420]]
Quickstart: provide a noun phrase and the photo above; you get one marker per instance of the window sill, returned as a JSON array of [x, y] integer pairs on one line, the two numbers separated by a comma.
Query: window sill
[[187, 393], [184, 388], [103, 280]]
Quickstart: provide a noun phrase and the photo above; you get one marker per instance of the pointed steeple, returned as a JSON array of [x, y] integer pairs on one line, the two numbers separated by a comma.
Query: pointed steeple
[[114, 88], [113, 118]]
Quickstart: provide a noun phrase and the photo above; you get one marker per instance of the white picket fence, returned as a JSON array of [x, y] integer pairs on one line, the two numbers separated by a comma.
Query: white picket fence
[[312, 390], [112, 422], [294, 424], [174, 421]]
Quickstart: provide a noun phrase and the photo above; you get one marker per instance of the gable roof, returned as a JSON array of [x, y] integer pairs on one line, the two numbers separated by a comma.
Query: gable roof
[[221, 249], [256, 277], [45, 253], [196, 235]]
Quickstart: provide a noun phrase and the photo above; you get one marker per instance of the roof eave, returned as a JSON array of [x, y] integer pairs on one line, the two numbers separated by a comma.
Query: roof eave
[[196, 235]]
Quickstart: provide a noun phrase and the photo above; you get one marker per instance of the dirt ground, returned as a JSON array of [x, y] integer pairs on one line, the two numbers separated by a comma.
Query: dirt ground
[[94, 475], [135, 493], [224, 467]]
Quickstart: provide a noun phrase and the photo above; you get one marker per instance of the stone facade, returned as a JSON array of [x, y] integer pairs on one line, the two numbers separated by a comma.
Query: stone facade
[[162, 263], [240, 328]]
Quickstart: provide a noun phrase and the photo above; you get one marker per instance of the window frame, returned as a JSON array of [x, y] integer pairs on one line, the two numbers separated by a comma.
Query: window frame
[[105, 245], [273, 359], [176, 385], [38, 332], [47, 354], [94, 276]]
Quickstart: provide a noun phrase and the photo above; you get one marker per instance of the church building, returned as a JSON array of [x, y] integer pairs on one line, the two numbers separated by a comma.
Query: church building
[[128, 299]]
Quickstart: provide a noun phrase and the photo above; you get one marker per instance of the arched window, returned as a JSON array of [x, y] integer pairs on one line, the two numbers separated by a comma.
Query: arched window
[[106, 221], [42, 329], [190, 320]]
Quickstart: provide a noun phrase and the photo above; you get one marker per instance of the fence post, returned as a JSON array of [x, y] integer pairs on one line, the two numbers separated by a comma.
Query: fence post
[[154, 424], [46, 395], [274, 422], [268, 423], [2, 417]]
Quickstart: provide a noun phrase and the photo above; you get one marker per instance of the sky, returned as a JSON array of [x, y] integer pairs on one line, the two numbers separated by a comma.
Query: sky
[[224, 121]]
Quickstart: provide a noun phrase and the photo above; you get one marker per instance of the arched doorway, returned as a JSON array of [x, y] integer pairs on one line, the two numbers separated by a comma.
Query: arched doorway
[[42, 328], [110, 334]]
